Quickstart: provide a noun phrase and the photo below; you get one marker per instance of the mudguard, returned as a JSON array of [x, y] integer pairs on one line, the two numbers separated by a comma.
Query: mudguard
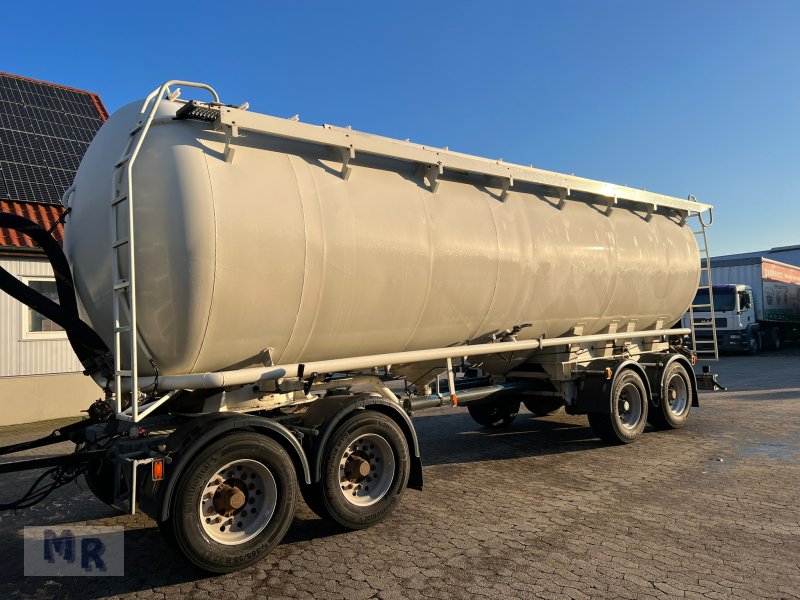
[[327, 414], [196, 433], [655, 364], [594, 389]]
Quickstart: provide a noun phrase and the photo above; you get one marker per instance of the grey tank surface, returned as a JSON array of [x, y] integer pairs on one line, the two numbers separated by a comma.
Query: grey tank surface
[[271, 247]]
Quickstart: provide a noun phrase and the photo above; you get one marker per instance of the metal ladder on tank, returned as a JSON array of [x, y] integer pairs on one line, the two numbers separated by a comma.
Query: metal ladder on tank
[[705, 349], [126, 376]]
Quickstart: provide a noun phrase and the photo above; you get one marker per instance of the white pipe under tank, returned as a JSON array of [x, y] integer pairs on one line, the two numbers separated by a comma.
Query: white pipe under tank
[[220, 379]]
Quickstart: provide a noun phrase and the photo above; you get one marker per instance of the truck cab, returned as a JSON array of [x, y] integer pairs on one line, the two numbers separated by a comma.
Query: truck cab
[[734, 317]]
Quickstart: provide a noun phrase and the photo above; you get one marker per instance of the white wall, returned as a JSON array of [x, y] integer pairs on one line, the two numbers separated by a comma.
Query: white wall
[[45, 397], [21, 356]]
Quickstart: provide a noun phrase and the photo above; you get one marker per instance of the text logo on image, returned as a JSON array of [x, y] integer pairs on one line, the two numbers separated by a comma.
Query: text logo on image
[[66, 550]]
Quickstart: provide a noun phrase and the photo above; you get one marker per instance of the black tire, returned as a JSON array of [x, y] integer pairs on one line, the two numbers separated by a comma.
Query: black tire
[[755, 344], [184, 529], [543, 406], [342, 495], [623, 425], [494, 414], [676, 401], [99, 477], [775, 339]]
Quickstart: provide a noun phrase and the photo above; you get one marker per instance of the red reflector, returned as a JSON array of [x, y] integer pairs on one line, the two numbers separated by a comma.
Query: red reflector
[[158, 470]]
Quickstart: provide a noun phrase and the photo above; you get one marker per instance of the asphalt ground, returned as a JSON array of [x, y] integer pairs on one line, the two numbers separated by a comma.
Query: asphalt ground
[[541, 509]]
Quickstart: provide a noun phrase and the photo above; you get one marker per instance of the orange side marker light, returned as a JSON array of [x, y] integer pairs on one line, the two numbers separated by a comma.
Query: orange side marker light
[[158, 469]]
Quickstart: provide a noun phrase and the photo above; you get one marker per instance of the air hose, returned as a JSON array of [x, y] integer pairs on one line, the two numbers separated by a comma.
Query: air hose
[[92, 352]]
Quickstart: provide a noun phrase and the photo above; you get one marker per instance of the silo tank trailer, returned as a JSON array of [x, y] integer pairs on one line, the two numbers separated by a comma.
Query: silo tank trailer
[[265, 302]]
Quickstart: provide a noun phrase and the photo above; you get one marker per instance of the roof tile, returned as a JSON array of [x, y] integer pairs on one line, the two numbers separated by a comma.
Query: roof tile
[[44, 214]]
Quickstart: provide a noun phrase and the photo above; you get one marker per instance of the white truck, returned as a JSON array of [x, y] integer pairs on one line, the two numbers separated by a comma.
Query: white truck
[[756, 305], [263, 303]]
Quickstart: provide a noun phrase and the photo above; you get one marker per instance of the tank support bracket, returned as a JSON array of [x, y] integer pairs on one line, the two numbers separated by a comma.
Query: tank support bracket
[[348, 154], [231, 132], [432, 173], [562, 197], [506, 183]]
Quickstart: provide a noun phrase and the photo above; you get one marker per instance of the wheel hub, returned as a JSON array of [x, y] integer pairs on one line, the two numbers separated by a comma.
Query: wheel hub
[[228, 498], [629, 406], [238, 502], [356, 467], [366, 469], [678, 395]]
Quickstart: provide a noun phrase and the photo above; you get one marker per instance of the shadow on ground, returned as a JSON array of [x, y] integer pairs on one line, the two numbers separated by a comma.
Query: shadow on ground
[[445, 438]]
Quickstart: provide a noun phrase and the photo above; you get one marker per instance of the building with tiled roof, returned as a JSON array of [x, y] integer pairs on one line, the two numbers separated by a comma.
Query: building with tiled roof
[[45, 129]]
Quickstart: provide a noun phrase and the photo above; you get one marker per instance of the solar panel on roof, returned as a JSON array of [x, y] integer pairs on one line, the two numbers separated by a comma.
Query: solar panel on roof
[[44, 132]]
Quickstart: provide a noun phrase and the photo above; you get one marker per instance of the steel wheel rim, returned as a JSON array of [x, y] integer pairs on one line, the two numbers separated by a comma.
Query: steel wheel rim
[[260, 490], [677, 395], [375, 451], [629, 406]]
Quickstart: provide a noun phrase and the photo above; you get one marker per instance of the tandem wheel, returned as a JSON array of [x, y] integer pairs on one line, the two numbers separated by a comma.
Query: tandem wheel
[[628, 415], [496, 414], [364, 471], [673, 410], [543, 406], [234, 502]]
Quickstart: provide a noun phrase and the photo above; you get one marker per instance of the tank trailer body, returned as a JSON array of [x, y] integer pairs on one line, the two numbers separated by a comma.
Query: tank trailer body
[[265, 302]]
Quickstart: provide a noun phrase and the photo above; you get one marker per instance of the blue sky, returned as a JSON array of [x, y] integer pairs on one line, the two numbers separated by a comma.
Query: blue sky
[[698, 97]]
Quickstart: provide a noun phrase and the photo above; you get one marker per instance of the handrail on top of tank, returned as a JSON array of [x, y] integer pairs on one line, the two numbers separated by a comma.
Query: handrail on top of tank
[[436, 160], [159, 91], [700, 214], [506, 171]]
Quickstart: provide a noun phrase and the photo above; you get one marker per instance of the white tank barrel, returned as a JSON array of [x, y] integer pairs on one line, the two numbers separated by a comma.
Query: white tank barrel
[[294, 246]]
